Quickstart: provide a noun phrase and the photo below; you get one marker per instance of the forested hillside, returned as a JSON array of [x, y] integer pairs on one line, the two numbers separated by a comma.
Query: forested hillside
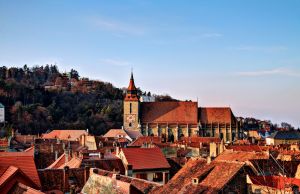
[[41, 98]]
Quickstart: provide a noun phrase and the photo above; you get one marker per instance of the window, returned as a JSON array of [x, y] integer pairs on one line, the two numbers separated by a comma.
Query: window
[[158, 177], [130, 107], [142, 176], [130, 124], [257, 191]]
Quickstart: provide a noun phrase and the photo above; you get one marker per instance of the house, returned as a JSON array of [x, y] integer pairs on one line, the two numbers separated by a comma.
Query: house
[[273, 184], [18, 167], [145, 163], [70, 135], [146, 141], [101, 181], [130, 135], [283, 137], [198, 176]]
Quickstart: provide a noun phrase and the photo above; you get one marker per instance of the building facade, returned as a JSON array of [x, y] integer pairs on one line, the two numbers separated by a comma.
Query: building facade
[[174, 119]]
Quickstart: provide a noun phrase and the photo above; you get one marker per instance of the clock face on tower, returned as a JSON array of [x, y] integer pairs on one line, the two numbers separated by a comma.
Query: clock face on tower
[[130, 118]]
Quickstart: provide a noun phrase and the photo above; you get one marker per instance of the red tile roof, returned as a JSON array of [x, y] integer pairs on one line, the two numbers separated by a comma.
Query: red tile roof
[[131, 91], [277, 182], [169, 112], [145, 140], [200, 140], [59, 162], [145, 158], [212, 177], [75, 162], [216, 115], [30, 150], [114, 133], [22, 160], [247, 148], [11, 170], [240, 156], [71, 135]]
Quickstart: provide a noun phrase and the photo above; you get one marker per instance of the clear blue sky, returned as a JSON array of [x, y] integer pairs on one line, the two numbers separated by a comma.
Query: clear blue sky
[[242, 54]]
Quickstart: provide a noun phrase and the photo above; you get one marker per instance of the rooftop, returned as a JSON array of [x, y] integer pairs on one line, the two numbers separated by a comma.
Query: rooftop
[[145, 158], [169, 112], [71, 135], [216, 115], [22, 160], [209, 176]]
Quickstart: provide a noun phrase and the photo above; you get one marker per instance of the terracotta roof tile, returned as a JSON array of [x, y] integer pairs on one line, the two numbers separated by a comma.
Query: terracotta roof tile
[[216, 115], [248, 148], [59, 162], [199, 140], [71, 135], [145, 158], [210, 178], [114, 133], [240, 156], [73, 163], [22, 160], [169, 112], [146, 140], [11, 170], [277, 182]]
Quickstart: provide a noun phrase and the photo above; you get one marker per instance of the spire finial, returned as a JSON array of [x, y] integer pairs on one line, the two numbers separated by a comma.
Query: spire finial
[[131, 73]]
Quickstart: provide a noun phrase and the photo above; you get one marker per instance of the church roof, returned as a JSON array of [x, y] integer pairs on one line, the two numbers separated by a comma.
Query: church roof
[[216, 115], [169, 112]]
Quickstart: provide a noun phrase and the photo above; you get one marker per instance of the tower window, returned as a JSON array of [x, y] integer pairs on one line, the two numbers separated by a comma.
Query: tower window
[[130, 108]]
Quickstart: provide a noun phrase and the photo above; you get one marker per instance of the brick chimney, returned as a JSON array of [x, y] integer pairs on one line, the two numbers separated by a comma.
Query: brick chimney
[[66, 156], [66, 179], [56, 154]]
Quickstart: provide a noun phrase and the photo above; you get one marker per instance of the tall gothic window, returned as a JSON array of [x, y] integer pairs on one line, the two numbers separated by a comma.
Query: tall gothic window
[[130, 108]]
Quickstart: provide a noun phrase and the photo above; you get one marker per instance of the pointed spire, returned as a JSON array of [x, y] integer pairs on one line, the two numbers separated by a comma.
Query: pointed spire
[[131, 90]]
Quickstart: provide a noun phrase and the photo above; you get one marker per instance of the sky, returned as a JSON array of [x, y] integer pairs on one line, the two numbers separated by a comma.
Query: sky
[[242, 54]]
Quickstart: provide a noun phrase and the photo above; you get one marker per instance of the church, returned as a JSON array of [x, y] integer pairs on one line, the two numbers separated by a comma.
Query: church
[[175, 119]]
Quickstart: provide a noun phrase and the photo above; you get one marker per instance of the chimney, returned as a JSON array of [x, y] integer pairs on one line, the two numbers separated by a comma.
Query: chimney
[[66, 156], [56, 154], [86, 173], [208, 159], [66, 179], [129, 170], [117, 150]]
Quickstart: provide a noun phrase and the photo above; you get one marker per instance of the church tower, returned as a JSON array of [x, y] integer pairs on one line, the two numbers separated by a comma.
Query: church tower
[[131, 107]]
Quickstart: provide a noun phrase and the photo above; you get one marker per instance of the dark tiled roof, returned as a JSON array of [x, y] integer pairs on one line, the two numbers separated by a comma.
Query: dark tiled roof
[[286, 135], [216, 115], [169, 112]]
